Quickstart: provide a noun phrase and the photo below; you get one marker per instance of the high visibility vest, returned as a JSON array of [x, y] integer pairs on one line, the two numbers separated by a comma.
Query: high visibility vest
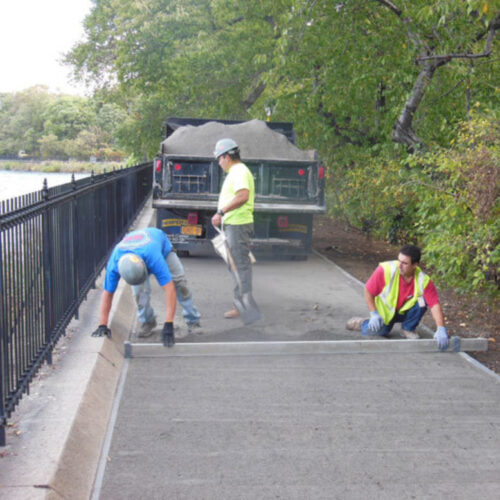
[[387, 300]]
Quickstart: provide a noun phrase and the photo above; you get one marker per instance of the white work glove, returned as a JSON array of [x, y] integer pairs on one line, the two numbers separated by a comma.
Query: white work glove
[[376, 322], [442, 338]]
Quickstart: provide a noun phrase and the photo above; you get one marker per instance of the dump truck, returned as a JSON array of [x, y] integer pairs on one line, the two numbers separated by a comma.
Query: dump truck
[[289, 184]]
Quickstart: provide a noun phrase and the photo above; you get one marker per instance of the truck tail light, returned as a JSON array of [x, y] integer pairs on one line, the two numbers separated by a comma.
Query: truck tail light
[[158, 165], [321, 172], [283, 221], [192, 218], [302, 172], [178, 166]]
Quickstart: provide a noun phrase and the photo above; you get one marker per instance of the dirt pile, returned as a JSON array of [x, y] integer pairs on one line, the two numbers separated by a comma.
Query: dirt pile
[[255, 139]]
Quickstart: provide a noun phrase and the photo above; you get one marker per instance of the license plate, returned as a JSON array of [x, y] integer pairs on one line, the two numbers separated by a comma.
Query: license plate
[[191, 230]]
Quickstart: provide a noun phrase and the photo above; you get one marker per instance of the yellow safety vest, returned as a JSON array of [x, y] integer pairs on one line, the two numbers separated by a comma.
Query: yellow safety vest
[[387, 300], [238, 177]]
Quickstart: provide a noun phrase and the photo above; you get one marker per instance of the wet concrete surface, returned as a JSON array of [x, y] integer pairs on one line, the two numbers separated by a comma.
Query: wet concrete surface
[[299, 300]]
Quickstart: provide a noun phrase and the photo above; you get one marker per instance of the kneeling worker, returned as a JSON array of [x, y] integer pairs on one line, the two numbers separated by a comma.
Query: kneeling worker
[[140, 253], [400, 292]]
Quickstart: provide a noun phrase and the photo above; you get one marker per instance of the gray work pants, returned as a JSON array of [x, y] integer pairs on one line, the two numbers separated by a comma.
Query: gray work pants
[[238, 240], [142, 294]]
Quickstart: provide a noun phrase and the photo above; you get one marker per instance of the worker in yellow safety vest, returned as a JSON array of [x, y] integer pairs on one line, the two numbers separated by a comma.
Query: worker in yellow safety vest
[[400, 292], [235, 211]]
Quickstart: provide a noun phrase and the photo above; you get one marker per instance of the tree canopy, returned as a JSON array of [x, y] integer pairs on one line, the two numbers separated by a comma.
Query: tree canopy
[[58, 126], [358, 72]]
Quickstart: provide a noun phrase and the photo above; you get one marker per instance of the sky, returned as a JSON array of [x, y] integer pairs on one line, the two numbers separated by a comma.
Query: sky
[[34, 35]]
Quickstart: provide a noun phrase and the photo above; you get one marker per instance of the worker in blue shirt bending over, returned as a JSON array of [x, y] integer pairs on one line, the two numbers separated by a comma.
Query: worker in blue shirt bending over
[[139, 254]]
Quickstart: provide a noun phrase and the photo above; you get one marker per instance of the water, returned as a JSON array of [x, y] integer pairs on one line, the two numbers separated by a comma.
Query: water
[[15, 183]]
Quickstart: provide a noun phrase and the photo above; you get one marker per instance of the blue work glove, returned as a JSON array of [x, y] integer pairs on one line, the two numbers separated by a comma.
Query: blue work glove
[[376, 322], [167, 334], [101, 331], [442, 338]]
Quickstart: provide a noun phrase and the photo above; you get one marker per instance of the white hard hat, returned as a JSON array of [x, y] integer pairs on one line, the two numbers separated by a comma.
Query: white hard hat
[[132, 269], [225, 146]]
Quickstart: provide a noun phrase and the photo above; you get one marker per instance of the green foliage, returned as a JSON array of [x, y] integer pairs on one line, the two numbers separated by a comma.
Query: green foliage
[[51, 147], [21, 120], [446, 200], [59, 126], [343, 72], [459, 209], [367, 189], [67, 116]]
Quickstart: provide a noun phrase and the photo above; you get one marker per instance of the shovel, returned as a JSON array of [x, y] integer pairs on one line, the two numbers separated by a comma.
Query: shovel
[[245, 303]]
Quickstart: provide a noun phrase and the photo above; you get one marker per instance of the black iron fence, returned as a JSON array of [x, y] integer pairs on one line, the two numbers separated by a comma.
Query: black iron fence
[[53, 245]]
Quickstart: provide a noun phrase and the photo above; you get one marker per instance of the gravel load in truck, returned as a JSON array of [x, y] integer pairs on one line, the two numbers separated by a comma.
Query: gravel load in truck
[[254, 138]]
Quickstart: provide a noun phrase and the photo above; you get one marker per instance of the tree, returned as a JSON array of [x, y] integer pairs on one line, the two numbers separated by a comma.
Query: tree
[[51, 147], [67, 116], [190, 57], [53, 125], [109, 118], [379, 87], [21, 120], [88, 143], [357, 72], [429, 41]]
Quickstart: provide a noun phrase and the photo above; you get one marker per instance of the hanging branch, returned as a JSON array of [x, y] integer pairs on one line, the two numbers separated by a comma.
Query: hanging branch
[[495, 25], [402, 131]]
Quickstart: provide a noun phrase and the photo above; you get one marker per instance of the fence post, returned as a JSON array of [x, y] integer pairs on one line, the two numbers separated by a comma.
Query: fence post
[[47, 268], [94, 253], [74, 253], [3, 339]]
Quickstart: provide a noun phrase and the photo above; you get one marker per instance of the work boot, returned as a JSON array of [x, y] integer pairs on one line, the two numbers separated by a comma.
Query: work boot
[[355, 323], [411, 335], [146, 329], [233, 313], [195, 328]]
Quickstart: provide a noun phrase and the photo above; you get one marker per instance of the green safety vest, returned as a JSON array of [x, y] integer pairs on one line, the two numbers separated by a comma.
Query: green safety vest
[[387, 300]]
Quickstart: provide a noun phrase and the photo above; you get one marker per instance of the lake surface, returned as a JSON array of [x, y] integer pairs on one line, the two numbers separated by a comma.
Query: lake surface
[[15, 183]]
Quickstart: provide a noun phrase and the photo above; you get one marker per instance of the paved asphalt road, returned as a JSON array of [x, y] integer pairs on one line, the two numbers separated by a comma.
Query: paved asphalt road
[[298, 426]]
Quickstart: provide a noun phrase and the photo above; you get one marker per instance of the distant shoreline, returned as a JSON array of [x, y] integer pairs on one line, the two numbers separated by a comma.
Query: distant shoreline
[[59, 166]]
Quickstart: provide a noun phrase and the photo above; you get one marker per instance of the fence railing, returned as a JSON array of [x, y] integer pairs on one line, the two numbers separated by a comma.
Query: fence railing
[[53, 245]]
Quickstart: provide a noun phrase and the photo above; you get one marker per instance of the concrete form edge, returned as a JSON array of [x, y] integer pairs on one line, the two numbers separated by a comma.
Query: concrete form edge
[[138, 350]]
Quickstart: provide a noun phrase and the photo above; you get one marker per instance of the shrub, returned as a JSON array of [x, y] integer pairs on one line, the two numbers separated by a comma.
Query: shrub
[[446, 200]]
